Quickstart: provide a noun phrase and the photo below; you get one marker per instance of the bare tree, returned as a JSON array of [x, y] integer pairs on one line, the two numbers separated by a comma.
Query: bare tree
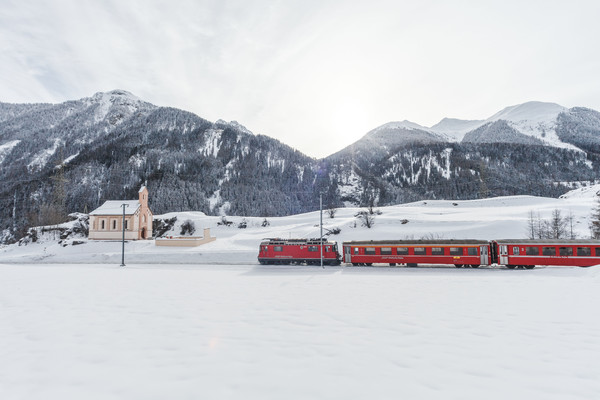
[[569, 222], [541, 227], [366, 218], [531, 225], [557, 225]]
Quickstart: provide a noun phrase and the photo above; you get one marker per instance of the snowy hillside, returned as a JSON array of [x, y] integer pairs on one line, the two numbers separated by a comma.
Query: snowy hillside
[[494, 218]]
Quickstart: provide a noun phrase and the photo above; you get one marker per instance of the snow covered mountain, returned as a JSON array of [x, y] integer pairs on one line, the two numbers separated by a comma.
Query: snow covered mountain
[[532, 148], [532, 122], [74, 155]]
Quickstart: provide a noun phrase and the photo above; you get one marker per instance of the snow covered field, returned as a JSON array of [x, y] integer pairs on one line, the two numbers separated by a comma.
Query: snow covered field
[[210, 323], [256, 332]]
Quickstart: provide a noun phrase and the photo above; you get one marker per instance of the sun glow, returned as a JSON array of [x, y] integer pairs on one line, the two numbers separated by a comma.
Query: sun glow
[[349, 122]]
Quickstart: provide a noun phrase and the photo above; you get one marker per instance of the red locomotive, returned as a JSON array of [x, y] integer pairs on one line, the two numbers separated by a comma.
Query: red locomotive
[[298, 251]]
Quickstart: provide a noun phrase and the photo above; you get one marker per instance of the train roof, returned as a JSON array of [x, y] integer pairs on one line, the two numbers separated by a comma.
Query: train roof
[[550, 241], [316, 241], [449, 242]]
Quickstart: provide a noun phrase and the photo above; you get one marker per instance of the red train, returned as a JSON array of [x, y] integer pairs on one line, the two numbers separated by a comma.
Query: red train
[[470, 253], [518, 253], [474, 253], [298, 251]]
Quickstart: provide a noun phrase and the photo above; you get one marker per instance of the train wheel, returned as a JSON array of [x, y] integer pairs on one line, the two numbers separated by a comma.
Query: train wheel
[[529, 266], [511, 266], [392, 264], [355, 264], [369, 264], [458, 265], [474, 265]]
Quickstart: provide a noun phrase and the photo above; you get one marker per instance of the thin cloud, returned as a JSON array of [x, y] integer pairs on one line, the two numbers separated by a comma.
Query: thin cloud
[[305, 72]]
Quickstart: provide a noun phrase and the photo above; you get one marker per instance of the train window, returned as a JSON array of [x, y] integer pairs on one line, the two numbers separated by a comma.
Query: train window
[[532, 251], [327, 249], [437, 251], [419, 251], [472, 251], [584, 251], [386, 250], [356, 250], [278, 248], [313, 248], [565, 251], [456, 251], [597, 251], [549, 251], [402, 250], [515, 251], [370, 250]]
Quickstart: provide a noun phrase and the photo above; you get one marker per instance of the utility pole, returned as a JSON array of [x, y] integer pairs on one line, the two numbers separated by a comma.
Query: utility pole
[[321, 212], [123, 241]]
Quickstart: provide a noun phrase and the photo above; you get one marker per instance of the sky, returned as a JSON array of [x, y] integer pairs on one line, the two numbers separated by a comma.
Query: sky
[[315, 74]]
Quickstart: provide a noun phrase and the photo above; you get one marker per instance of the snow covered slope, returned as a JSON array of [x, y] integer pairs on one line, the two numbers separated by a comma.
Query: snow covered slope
[[535, 119], [454, 128]]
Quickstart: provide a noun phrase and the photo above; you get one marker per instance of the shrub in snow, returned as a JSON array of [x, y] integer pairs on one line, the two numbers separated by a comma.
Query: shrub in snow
[[243, 224], [331, 212], [30, 237], [225, 221], [265, 223], [334, 231], [188, 227], [162, 226]]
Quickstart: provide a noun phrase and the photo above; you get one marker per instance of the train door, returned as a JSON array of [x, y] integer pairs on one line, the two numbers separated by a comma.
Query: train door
[[483, 255], [347, 254], [503, 254]]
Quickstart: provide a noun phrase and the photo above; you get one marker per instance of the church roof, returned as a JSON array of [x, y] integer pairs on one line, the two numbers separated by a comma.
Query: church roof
[[114, 207]]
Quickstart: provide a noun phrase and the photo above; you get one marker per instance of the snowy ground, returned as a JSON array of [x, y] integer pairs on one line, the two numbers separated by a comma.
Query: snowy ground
[[210, 323], [256, 332]]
